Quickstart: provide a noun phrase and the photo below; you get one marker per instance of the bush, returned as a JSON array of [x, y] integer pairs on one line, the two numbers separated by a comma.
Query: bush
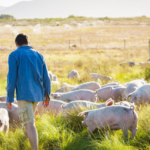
[[147, 74], [3, 16]]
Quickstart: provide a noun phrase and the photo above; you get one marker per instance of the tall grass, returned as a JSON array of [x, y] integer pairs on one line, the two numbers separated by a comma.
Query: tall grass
[[67, 134]]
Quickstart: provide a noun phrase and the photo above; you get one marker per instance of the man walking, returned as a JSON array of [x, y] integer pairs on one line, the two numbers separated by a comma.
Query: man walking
[[27, 75]]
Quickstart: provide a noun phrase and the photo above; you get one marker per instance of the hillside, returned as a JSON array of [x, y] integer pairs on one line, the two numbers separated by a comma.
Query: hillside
[[90, 8], [2, 8]]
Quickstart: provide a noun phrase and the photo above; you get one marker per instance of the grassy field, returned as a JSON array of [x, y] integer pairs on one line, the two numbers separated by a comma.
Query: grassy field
[[98, 49]]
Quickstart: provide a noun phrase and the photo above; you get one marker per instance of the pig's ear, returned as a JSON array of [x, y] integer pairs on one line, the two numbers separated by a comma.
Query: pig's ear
[[132, 104], [109, 102], [83, 113], [63, 105], [125, 85], [58, 96]]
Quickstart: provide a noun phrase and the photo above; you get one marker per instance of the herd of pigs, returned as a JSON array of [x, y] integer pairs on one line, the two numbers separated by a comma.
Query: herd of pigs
[[116, 112]]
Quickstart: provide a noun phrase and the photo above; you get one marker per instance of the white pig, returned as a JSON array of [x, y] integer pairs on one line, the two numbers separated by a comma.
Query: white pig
[[117, 93], [141, 95], [73, 74], [95, 76], [104, 93], [113, 118], [50, 75], [79, 105], [131, 64], [110, 84], [106, 78], [54, 107], [76, 95], [65, 89], [131, 87], [4, 120], [124, 103], [13, 114], [4, 98], [89, 86]]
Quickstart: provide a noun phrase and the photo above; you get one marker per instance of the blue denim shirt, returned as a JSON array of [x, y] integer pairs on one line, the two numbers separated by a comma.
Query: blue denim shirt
[[28, 75]]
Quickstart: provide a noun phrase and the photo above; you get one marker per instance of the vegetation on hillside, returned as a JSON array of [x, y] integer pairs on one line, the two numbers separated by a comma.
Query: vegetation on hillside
[[8, 19]]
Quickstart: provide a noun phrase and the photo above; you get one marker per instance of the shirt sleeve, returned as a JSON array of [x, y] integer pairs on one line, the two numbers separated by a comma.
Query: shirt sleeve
[[46, 81], [11, 78]]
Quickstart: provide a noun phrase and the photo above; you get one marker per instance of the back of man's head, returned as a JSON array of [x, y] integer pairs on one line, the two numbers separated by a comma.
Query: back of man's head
[[21, 39]]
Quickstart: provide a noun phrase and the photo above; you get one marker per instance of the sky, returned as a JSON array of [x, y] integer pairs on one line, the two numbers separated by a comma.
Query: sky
[[64, 8], [6, 3]]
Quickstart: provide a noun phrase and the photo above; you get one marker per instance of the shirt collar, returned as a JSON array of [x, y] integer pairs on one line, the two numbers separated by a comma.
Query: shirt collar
[[25, 46]]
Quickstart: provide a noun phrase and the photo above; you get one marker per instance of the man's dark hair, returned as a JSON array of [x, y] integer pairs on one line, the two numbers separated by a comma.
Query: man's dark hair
[[21, 39]]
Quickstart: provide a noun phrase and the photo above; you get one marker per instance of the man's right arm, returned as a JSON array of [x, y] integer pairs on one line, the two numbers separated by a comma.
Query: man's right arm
[[11, 78]]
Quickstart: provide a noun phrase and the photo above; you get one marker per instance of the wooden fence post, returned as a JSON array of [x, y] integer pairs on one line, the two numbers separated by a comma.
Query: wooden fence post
[[69, 44], [124, 44]]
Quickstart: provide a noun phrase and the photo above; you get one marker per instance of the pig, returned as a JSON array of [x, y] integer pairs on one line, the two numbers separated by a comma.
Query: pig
[[73, 74], [106, 78], [131, 87], [144, 64], [4, 120], [142, 81], [13, 114], [131, 64], [110, 84], [113, 118], [76, 95], [117, 93], [55, 78], [95, 76], [89, 86], [124, 103], [50, 75], [65, 89], [54, 107], [104, 93], [141, 95], [79, 105], [4, 98], [117, 86]]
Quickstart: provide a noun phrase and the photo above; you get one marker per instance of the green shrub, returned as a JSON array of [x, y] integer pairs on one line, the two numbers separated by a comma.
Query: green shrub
[[147, 74]]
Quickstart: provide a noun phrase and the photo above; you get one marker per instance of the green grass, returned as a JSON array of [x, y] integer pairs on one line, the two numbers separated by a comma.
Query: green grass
[[59, 133]]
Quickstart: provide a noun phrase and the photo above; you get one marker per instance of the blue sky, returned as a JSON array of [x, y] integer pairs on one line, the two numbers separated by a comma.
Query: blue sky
[[6, 3]]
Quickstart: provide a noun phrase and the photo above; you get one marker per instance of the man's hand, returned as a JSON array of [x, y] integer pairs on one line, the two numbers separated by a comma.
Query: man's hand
[[46, 101], [9, 106]]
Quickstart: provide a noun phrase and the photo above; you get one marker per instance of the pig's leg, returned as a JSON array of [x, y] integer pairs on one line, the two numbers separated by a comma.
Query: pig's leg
[[133, 130], [138, 107], [90, 130], [6, 128], [125, 132], [25, 132]]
